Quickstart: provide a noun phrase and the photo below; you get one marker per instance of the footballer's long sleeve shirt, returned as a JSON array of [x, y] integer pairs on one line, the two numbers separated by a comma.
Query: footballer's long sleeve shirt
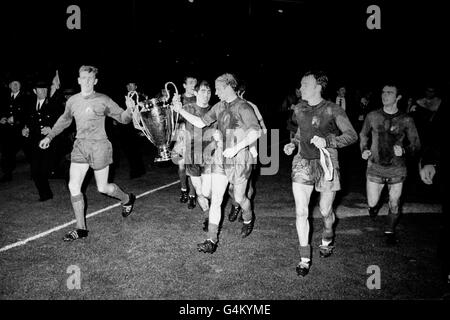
[[326, 120], [385, 131], [89, 113]]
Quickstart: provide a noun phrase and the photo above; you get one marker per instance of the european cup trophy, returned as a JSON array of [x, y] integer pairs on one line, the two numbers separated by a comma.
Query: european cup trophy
[[156, 120]]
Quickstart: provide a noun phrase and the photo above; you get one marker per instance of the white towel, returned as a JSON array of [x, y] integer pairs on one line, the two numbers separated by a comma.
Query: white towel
[[327, 165]]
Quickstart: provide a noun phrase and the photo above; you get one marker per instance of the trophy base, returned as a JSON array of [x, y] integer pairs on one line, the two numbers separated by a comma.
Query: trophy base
[[165, 154]]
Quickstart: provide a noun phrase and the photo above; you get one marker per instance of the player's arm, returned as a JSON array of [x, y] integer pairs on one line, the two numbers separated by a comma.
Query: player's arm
[[250, 118], [253, 131], [62, 123], [194, 120], [348, 134], [413, 137], [296, 137], [292, 126], [117, 113], [258, 116], [364, 134], [198, 122]]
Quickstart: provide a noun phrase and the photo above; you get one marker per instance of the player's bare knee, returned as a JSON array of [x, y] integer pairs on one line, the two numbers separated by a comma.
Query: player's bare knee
[[74, 188], [301, 213], [216, 203], [103, 189], [394, 205], [326, 211], [240, 198], [206, 195]]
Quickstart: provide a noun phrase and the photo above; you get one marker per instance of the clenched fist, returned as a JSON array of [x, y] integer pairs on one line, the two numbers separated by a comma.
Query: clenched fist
[[366, 154], [44, 144], [289, 148], [398, 151], [176, 105], [26, 132], [427, 173]]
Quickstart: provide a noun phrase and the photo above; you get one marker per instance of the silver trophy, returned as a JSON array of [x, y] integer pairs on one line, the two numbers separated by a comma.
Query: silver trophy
[[156, 120]]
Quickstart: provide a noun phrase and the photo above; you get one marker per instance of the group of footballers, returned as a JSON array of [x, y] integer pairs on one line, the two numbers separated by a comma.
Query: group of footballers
[[218, 144], [219, 153]]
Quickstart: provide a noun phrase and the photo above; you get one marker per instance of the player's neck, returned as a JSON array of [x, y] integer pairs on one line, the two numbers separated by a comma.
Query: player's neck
[[200, 105], [231, 97], [315, 101], [86, 93], [390, 109]]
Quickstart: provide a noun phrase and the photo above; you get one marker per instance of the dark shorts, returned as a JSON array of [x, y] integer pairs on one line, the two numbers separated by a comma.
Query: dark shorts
[[301, 173], [237, 169], [385, 180], [385, 175], [97, 153]]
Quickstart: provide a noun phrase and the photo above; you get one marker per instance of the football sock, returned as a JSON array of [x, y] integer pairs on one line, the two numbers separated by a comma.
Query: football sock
[[119, 194]]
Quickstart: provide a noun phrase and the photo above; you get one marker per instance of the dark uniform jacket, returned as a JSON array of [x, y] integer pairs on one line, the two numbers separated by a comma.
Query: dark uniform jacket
[[45, 117], [15, 108]]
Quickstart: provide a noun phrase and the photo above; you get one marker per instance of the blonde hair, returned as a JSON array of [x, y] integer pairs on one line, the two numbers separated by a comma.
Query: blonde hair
[[90, 69], [228, 79]]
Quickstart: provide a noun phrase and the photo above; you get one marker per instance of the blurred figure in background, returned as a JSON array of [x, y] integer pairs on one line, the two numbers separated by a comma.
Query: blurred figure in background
[[12, 113]]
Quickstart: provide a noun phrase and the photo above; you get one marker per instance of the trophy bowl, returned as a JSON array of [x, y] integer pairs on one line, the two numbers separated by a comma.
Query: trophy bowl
[[156, 120], [157, 117]]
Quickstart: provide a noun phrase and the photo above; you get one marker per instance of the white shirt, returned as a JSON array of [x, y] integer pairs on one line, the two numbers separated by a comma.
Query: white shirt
[[14, 95], [340, 101], [40, 104]]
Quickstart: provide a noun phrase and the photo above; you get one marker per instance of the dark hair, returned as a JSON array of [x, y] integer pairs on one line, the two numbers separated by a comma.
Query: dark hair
[[202, 83], [320, 76], [242, 86], [189, 76], [393, 84], [41, 84]]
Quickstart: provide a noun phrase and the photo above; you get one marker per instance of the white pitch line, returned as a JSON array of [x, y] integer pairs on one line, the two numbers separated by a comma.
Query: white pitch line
[[43, 234]]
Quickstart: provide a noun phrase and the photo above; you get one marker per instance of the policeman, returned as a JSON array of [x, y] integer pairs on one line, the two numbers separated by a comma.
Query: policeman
[[11, 122], [42, 115]]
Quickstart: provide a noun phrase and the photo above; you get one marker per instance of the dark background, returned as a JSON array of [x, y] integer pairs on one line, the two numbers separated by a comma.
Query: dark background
[[158, 41]]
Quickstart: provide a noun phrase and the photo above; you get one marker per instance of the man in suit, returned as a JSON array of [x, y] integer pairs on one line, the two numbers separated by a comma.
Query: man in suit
[[41, 116], [11, 123], [341, 98]]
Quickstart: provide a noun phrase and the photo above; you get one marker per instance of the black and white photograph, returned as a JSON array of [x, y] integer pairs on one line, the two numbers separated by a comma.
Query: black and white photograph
[[224, 156]]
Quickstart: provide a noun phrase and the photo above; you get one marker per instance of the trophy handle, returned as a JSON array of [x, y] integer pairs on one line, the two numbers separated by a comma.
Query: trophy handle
[[173, 122], [137, 117]]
